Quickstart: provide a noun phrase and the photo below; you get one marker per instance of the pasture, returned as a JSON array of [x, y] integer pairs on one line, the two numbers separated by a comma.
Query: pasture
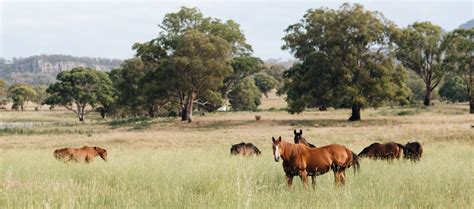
[[165, 163]]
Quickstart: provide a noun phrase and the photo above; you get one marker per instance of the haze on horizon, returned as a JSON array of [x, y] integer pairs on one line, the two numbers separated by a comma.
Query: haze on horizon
[[104, 28]]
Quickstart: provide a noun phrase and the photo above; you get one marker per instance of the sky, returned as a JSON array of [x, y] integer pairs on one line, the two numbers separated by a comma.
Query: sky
[[108, 29]]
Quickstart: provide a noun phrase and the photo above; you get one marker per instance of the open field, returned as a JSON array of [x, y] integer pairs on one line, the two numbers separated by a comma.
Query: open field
[[166, 163]]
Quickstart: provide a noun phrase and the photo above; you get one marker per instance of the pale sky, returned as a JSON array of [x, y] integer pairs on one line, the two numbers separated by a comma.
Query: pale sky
[[107, 28]]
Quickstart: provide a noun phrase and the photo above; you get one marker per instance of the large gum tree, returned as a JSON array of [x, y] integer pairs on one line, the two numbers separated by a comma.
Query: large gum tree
[[344, 60], [196, 54]]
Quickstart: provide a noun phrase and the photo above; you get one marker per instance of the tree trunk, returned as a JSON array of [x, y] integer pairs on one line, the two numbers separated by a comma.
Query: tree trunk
[[355, 113], [427, 100], [184, 113], [470, 90], [471, 104], [190, 108], [80, 112]]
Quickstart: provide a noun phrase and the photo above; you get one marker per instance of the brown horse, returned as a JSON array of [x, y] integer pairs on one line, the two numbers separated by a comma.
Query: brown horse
[[388, 151], [298, 159], [244, 149], [300, 139], [413, 151], [84, 154]]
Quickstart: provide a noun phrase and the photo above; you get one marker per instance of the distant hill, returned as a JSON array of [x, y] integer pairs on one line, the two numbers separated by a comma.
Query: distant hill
[[467, 25], [43, 69]]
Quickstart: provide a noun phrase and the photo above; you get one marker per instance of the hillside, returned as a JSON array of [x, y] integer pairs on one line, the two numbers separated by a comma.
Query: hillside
[[467, 25], [43, 69]]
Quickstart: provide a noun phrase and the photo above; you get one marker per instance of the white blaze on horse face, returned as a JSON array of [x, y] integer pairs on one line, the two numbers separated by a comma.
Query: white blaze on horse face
[[277, 153]]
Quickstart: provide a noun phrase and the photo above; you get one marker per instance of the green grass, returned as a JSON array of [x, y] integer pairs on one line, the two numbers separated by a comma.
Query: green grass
[[211, 178]]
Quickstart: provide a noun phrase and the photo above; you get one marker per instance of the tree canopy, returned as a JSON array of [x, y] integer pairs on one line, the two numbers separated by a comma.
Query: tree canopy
[[194, 55], [81, 87], [21, 93], [420, 49], [459, 47], [344, 60]]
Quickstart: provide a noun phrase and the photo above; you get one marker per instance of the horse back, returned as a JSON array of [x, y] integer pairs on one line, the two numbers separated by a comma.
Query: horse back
[[321, 159]]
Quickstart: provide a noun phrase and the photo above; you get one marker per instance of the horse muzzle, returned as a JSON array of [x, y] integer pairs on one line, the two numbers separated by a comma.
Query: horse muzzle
[[277, 159]]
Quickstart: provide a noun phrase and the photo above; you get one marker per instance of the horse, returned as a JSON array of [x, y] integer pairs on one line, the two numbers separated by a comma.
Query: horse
[[388, 151], [299, 159], [413, 151], [84, 154], [300, 139], [244, 149]]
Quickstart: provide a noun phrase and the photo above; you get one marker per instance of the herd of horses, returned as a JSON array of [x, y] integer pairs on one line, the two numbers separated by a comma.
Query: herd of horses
[[301, 159], [304, 159]]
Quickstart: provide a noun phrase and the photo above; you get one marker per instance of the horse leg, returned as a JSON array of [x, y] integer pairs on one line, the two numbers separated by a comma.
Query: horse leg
[[313, 182], [336, 178], [289, 180], [343, 176], [304, 178]]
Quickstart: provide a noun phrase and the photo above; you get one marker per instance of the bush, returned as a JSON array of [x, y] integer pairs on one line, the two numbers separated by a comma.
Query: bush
[[454, 90]]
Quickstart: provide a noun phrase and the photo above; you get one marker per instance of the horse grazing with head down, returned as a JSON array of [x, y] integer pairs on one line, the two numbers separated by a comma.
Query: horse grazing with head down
[[299, 159], [300, 139], [413, 151], [244, 149], [84, 154], [387, 151]]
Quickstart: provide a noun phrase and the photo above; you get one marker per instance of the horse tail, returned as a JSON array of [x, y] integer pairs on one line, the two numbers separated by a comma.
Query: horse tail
[[355, 162], [402, 147]]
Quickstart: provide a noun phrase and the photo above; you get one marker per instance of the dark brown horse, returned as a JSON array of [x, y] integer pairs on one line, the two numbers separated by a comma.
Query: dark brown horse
[[299, 159], [300, 139], [244, 149], [388, 151], [84, 154], [413, 151]]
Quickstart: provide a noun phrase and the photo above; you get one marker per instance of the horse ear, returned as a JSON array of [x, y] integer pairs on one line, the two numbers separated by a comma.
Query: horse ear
[[294, 131], [273, 139], [279, 139], [301, 131]]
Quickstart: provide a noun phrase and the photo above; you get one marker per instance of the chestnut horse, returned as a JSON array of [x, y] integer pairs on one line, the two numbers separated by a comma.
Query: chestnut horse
[[299, 159], [244, 149], [300, 139], [83, 154], [413, 151], [388, 151]]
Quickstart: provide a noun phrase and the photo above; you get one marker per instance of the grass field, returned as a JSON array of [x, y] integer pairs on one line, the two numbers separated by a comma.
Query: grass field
[[164, 163]]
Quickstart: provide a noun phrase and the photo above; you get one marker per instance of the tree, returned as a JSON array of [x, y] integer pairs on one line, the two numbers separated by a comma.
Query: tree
[[127, 80], [242, 67], [200, 63], [420, 49], [194, 52], [20, 94], [265, 83], [79, 88], [276, 71], [245, 95], [454, 89], [41, 95], [3, 92], [343, 61], [459, 47], [416, 86]]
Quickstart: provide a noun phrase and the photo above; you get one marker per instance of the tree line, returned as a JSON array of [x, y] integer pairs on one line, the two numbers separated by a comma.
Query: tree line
[[346, 58]]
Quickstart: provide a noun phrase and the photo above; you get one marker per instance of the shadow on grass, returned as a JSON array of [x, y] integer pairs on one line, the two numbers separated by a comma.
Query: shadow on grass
[[335, 123], [54, 131], [138, 123]]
